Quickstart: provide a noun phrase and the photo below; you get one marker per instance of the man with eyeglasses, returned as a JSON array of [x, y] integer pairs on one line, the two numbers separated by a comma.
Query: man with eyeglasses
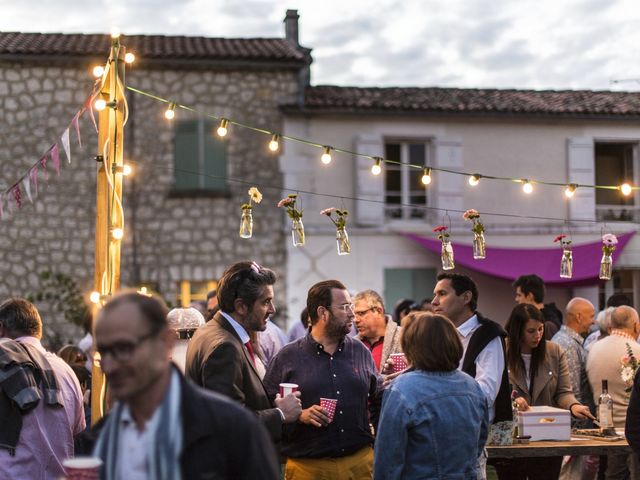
[[331, 439], [377, 331], [220, 356], [40, 398], [161, 425]]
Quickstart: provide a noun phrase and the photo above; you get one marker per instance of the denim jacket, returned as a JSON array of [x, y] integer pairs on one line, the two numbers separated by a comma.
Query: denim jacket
[[433, 425]]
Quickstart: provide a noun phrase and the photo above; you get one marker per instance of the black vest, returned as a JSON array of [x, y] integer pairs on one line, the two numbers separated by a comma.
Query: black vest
[[485, 333]]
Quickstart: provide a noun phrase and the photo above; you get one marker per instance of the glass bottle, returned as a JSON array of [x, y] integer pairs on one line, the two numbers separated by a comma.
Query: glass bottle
[[342, 241], [446, 255], [566, 265], [246, 223], [479, 250], [605, 407], [297, 232], [606, 265]]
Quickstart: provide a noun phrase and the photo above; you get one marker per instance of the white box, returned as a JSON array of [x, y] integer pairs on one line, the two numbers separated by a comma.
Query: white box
[[545, 423]]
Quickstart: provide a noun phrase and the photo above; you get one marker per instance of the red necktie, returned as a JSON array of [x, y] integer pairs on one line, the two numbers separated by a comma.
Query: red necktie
[[250, 348]]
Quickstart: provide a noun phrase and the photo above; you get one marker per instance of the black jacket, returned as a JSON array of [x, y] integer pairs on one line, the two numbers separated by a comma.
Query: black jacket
[[632, 425]]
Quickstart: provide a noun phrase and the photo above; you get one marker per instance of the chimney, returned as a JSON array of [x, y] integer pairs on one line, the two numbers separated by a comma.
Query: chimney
[[291, 27]]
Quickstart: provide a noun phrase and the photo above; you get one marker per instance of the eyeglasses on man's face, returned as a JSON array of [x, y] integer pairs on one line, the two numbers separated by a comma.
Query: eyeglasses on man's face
[[362, 313], [345, 307], [123, 351]]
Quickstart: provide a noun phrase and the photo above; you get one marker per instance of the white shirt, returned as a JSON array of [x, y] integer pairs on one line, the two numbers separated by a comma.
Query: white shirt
[[489, 363], [242, 333], [135, 446]]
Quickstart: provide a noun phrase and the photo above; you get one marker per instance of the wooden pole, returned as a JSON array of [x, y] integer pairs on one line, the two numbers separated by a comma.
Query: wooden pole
[[109, 211]]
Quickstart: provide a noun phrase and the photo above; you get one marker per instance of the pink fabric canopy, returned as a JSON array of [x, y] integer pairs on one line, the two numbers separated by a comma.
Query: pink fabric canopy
[[510, 263]]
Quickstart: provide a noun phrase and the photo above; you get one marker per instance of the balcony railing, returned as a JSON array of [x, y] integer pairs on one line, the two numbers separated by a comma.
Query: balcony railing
[[618, 213]]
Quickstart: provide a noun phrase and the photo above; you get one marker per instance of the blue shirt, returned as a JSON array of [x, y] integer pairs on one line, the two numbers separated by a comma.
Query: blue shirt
[[349, 375], [432, 425]]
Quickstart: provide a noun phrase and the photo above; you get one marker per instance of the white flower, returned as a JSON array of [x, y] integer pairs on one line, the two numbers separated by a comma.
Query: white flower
[[627, 374], [255, 195]]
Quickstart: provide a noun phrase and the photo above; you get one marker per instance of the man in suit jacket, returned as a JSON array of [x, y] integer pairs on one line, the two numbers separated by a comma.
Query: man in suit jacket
[[220, 356]]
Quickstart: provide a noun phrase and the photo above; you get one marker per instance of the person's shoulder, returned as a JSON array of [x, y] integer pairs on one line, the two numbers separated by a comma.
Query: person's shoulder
[[490, 325]]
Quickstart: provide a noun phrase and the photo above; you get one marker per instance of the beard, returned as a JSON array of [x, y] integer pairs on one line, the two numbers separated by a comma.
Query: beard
[[336, 328]]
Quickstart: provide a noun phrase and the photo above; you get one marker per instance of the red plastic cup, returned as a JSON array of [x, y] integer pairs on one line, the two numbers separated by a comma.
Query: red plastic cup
[[399, 362], [82, 468], [329, 404], [287, 388]]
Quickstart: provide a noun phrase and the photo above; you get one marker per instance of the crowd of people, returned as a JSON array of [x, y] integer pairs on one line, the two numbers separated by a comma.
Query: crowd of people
[[223, 393]]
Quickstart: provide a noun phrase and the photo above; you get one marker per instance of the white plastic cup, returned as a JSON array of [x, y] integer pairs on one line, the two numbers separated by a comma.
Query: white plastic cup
[[287, 388], [82, 468]]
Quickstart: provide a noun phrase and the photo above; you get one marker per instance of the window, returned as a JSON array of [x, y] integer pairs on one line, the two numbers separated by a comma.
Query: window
[[403, 185], [189, 291], [615, 164], [200, 159], [622, 281], [414, 283]]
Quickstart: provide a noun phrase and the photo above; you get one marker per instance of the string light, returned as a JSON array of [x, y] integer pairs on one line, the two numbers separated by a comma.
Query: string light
[[326, 156], [95, 297], [426, 176], [570, 190], [170, 113], [474, 179], [222, 129], [115, 32], [127, 170], [274, 144], [626, 189], [129, 57], [100, 104], [526, 186], [117, 233], [98, 71], [376, 169]]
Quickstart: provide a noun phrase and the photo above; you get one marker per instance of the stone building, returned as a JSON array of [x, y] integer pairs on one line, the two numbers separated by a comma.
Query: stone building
[[182, 205]]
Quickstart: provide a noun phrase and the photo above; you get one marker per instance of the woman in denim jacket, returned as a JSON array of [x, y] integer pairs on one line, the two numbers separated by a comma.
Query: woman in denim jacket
[[434, 418]]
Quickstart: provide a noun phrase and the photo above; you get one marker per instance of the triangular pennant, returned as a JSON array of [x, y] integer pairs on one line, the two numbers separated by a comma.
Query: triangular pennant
[[33, 176], [26, 183], [17, 194], [93, 117], [65, 144], [8, 195], [55, 158], [76, 124], [43, 164], [1, 206]]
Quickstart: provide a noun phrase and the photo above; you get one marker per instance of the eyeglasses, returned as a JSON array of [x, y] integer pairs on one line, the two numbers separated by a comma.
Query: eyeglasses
[[362, 313], [346, 307], [123, 351]]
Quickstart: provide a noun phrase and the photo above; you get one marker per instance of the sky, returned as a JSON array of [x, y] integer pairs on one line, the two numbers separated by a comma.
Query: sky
[[524, 44]]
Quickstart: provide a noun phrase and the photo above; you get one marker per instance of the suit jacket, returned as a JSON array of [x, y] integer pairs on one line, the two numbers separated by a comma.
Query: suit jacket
[[551, 384], [217, 360]]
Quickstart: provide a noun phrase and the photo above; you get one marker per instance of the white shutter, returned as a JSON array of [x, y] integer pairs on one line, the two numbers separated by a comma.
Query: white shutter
[[367, 185], [581, 170], [448, 188]]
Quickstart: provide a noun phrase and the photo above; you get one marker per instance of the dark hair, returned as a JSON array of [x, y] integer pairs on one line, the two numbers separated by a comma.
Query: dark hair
[[402, 305], [83, 375], [519, 317], [320, 296], [211, 294], [618, 300], [243, 280], [304, 317], [460, 284], [72, 355], [153, 309], [431, 342], [531, 284], [20, 317]]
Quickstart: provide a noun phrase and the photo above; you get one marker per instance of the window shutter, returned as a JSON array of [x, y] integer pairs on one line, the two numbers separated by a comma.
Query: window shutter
[[186, 154], [581, 170], [368, 186], [215, 161], [448, 188]]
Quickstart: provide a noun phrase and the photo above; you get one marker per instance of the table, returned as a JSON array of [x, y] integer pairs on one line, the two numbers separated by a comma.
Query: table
[[557, 449]]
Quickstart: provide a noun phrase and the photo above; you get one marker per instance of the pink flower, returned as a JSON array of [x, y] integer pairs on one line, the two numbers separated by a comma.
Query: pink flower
[[559, 238], [470, 214], [626, 359], [609, 239], [286, 201], [328, 211], [440, 228]]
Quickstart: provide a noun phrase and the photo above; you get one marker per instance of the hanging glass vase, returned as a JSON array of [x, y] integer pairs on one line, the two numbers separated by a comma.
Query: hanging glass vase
[[479, 250], [342, 241], [246, 223], [606, 266], [297, 232], [447, 256], [566, 265]]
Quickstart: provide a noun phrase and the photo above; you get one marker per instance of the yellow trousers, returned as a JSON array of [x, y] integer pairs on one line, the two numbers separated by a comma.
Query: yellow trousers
[[358, 466]]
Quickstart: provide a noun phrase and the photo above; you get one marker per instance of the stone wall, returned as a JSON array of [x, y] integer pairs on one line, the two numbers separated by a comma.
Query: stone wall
[[176, 238]]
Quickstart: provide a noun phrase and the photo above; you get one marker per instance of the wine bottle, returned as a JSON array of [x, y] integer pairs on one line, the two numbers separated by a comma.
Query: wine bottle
[[605, 407]]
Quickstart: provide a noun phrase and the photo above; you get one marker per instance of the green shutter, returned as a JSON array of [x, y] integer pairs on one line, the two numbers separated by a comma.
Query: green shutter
[[186, 155], [413, 283], [215, 160]]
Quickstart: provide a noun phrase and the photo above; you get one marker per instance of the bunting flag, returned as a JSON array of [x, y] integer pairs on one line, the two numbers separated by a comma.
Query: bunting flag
[[55, 158], [7, 194], [89, 106], [65, 144], [33, 176], [43, 164], [1, 207], [76, 124], [26, 183], [17, 194]]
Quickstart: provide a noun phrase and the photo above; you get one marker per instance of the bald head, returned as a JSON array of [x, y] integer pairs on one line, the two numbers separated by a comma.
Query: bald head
[[625, 318], [579, 315]]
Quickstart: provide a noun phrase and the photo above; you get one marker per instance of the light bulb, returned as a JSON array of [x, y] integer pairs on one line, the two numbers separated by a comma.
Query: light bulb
[[127, 170], [474, 180], [170, 112], [100, 104], [222, 129], [115, 32], [95, 297], [117, 233], [527, 187], [626, 189], [98, 71], [570, 190], [274, 143], [426, 176], [376, 169], [326, 156], [129, 57]]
